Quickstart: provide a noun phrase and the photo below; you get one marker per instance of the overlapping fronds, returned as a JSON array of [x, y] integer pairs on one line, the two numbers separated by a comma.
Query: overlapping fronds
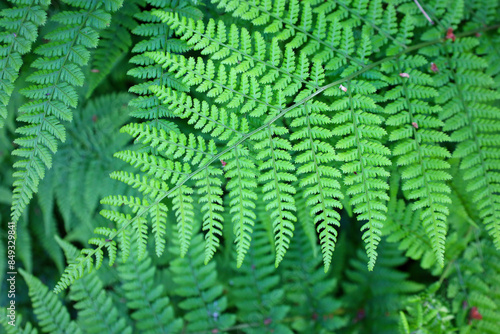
[[19, 30], [53, 92]]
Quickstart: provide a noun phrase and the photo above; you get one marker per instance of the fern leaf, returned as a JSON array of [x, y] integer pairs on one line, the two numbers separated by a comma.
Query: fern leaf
[[319, 181], [276, 177], [157, 37], [466, 96], [364, 159], [417, 132], [53, 94], [51, 313], [20, 23], [146, 296], [202, 297]]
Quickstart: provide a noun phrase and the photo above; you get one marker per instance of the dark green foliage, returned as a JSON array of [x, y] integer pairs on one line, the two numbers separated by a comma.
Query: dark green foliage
[[284, 166]]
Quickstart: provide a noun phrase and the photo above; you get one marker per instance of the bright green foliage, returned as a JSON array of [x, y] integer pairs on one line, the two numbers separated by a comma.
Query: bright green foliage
[[50, 312], [354, 144], [157, 37], [96, 311], [19, 31], [146, 297], [53, 93], [204, 304], [416, 131]]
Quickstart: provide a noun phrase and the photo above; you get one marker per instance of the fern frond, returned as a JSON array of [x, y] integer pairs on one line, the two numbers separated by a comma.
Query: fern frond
[[260, 296], [96, 312], [53, 94], [276, 178], [52, 316], [114, 44], [84, 263], [157, 37], [471, 118], [146, 296], [20, 24], [364, 158], [417, 133], [202, 296], [15, 326]]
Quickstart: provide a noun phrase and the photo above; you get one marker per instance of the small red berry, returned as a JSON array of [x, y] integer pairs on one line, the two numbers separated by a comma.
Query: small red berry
[[415, 125], [474, 313], [223, 163], [434, 68], [450, 34]]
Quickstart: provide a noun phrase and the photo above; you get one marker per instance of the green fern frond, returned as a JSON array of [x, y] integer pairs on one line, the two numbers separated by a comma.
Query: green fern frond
[[470, 117], [364, 158], [157, 37], [319, 181], [96, 312], [417, 133], [52, 316], [53, 93], [260, 295], [146, 296], [20, 30], [84, 263], [202, 296], [9, 328], [307, 287]]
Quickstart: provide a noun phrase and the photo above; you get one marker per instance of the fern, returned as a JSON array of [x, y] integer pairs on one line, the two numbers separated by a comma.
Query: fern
[[96, 310], [204, 304], [146, 297], [53, 93], [465, 95], [20, 25], [52, 315], [260, 298]]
